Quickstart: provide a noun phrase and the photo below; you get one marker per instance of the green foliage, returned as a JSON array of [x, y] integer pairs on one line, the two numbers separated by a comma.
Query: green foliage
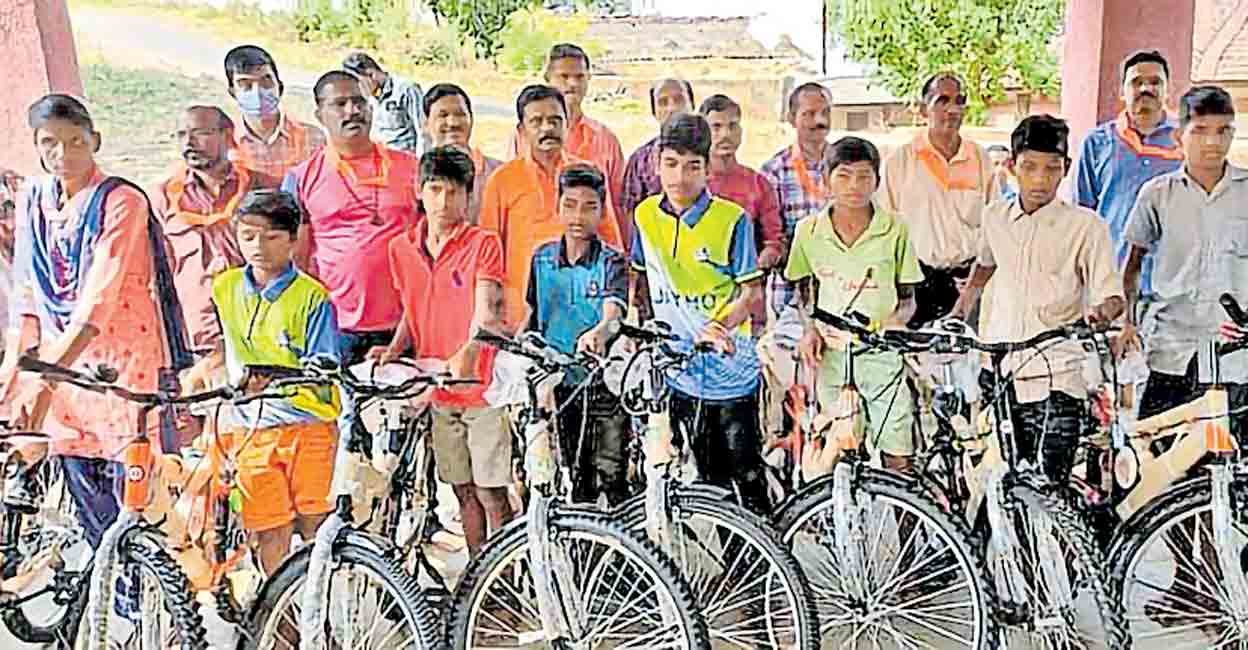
[[530, 33], [479, 21], [985, 42]]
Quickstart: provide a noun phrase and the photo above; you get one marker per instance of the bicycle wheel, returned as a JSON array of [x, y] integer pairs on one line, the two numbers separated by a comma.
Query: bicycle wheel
[[921, 582], [750, 588], [1068, 598], [1172, 586], [628, 595], [374, 605], [161, 604]]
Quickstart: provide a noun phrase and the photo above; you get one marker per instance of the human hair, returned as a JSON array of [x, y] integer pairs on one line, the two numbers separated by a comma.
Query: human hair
[[849, 150], [318, 91], [686, 133], [929, 86], [999, 148], [583, 175], [223, 120], [1204, 100], [811, 87], [1144, 56], [1041, 133], [249, 57], [59, 106], [718, 104], [360, 63], [536, 93], [657, 86], [442, 90], [566, 51], [281, 209], [447, 163]]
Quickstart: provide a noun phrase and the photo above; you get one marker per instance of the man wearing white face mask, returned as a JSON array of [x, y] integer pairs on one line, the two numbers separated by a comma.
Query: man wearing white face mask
[[270, 141]]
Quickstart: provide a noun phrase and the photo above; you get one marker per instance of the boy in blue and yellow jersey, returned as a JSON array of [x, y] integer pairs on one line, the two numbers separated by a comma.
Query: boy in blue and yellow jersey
[[697, 270], [272, 314], [577, 295]]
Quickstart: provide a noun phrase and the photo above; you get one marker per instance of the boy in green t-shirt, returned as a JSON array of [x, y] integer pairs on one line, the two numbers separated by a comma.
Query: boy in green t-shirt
[[853, 256]]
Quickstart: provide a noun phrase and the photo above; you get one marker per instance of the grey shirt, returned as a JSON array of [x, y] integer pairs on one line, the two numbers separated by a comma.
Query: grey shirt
[[1199, 243], [398, 115]]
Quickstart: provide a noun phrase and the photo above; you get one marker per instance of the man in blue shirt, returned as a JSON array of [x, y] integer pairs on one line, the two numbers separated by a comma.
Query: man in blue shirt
[[577, 295], [1118, 157]]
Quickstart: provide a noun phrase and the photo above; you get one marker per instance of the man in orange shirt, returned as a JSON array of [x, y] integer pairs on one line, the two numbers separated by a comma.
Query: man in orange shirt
[[521, 197], [567, 69], [270, 141]]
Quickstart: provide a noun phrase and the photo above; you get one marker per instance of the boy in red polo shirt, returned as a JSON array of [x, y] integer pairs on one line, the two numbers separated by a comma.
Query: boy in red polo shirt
[[449, 275]]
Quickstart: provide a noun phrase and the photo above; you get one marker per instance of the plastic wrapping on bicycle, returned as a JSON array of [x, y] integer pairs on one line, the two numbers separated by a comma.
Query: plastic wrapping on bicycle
[[531, 345], [924, 340], [371, 388]]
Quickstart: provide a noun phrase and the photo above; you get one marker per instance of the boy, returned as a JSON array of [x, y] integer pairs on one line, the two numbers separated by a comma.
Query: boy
[[577, 295], [855, 256], [273, 314], [696, 268], [1056, 266], [449, 275]]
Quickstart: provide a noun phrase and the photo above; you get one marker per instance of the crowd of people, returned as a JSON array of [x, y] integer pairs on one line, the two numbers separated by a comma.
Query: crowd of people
[[385, 232]]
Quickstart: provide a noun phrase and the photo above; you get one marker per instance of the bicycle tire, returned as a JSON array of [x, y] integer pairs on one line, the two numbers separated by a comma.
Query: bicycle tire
[[504, 545], [1038, 495], [287, 582], [149, 555], [714, 502], [904, 490]]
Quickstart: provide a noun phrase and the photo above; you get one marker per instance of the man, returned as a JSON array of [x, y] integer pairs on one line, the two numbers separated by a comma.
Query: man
[[704, 284], [641, 176], [449, 274], [449, 123], [856, 253], [797, 171], [567, 69], [1118, 157], [398, 107], [358, 195], [938, 183], [195, 205], [1051, 264], [521, 198], [999, 156], [270, 141], [577, 296]]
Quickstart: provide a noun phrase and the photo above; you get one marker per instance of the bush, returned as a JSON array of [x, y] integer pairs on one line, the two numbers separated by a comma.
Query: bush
[[530, 34], [479, 21], [361, 24]]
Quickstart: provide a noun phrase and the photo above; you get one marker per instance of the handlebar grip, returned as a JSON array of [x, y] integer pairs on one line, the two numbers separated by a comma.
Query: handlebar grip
[[644, 335], [1233, 309]]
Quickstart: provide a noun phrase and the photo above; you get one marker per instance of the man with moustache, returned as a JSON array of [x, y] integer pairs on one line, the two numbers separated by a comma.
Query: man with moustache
[[448, 122], [195, 204], [641, 176], [357, 196], [270, 141]]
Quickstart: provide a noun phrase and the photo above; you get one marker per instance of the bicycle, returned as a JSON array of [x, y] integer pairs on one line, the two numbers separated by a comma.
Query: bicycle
[[567, 576]]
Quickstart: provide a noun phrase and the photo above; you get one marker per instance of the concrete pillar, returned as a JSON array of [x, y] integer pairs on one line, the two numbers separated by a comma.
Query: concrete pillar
[[38, 43], [1100, 34]]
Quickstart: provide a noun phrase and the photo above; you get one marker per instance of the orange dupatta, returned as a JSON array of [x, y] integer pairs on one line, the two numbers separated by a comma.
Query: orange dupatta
[[942, 170], [381, 179], [1131, 138], [175, 190]]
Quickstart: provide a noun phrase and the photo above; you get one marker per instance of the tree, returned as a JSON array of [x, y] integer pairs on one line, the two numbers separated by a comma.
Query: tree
[[985, 42], [480, 20]]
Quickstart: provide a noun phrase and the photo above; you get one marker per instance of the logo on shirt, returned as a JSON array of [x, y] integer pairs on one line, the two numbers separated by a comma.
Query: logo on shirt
[[457, 280], [702, 255], [592, 290]]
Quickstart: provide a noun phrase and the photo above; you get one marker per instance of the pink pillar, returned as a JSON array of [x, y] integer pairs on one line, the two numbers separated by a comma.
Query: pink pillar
[[38, 43], [1100, 34]]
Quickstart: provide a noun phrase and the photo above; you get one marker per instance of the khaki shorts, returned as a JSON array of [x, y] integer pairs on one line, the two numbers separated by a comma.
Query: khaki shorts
[[889, 404], [472, 445]]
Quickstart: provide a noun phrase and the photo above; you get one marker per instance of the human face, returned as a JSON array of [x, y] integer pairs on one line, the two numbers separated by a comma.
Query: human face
[[344, 111], [1144, 92], [267, 249], [853, 184], [813, 118], [544, 124], [682, 176], [999, 159], [66, 149], [1038, 176], [725, 132], [371, 81], [1206, 140], [445, 202], [670, 98], [580, 212], [201, 140], [257, 77], [571, 77], [449, 122], [945, 106]]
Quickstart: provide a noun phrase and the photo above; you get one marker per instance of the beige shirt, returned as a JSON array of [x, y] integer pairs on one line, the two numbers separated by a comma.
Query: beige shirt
[[941, 201], [1052, 267]]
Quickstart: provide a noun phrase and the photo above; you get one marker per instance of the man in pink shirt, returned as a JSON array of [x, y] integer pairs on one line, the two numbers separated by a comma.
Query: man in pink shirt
[[357, 196]]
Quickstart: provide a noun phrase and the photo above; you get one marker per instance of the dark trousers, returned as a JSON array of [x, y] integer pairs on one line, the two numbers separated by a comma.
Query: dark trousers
[[1163, 392], [726, 443], [352, 346], [1053, 423], [593, 432], [95, 485], [936, 295]]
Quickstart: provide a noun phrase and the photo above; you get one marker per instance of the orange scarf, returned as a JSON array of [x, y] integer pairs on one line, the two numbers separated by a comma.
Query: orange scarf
[[810, 187], [381, 179], [1131, 138], [942, 170], [175, 190], [478, 161]]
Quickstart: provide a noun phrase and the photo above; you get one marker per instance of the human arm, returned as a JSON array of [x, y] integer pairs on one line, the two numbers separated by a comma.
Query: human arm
[[614, 306], [1087, 191], [743, 268], [1103, 284], [1142, 233], [767, 212]]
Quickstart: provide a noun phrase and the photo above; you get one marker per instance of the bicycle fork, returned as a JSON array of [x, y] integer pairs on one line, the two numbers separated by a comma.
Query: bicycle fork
[[1227, 552], [557, 604]]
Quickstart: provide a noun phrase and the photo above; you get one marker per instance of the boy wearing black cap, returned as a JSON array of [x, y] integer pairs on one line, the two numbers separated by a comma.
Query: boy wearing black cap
[[1056, 266]]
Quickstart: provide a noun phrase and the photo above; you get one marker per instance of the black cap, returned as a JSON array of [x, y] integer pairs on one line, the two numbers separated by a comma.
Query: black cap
[[1042, 133]]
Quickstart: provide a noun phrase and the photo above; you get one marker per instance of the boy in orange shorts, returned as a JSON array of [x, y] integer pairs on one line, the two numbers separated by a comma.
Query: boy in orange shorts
[[274, 315]]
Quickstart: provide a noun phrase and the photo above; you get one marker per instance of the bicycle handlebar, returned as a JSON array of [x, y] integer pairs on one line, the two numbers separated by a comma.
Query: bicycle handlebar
[[924, 340]]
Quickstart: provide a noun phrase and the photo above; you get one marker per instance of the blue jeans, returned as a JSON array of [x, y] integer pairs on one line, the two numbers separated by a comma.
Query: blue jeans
[[95, 485]]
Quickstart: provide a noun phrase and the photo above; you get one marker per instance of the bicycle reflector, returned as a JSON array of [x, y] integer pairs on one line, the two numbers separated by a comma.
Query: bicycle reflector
[[1218, 437]]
